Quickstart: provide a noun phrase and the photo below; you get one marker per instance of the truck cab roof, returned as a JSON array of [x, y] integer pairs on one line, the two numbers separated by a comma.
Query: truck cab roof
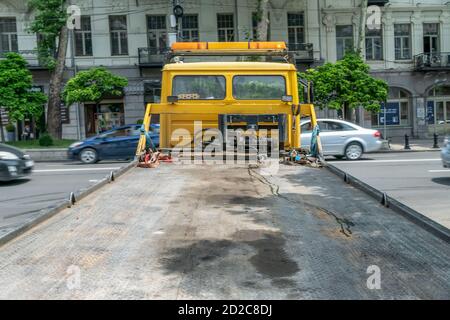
[[230, 66]]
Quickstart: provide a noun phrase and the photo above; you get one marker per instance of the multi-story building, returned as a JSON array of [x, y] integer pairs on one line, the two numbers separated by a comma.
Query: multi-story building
[[411, 51]]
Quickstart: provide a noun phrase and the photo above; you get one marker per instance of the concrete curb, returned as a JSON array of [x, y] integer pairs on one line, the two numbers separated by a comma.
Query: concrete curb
[[45, 214], [403, 151], [50, 154], [416, 217]]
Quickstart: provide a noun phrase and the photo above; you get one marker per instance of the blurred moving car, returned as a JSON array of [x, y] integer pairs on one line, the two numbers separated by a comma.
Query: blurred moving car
[[342, 139], [116, 144], [445, 152], [14, 164]]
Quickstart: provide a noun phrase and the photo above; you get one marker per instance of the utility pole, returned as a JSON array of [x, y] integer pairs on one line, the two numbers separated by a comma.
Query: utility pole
[[362, 28]]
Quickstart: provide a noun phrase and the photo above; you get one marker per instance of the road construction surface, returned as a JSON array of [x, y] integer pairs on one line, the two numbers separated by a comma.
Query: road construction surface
[[226, 233]]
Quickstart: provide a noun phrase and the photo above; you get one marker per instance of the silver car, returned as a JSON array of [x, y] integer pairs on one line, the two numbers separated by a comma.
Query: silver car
[[342, 139], [445, 153]]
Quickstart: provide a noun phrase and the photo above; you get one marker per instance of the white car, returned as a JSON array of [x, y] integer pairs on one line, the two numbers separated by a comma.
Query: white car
[[342, 139]]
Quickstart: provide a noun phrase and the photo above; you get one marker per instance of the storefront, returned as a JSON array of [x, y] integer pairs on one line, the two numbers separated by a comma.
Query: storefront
[[396, 114], [103, 117], [438, 110]]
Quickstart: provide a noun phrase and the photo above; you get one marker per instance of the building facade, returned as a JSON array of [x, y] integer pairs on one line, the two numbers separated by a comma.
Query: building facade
[[410, 50]]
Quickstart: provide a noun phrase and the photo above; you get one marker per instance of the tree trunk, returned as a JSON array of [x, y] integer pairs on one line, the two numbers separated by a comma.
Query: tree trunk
[[2, 134], [362, 29], [54, 125], [263, 24]]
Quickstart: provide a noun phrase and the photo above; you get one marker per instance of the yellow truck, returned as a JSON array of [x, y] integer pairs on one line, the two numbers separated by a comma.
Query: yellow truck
[[234, 93]]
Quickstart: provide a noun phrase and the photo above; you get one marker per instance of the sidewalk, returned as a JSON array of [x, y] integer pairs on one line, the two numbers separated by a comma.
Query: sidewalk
[[398, 145]]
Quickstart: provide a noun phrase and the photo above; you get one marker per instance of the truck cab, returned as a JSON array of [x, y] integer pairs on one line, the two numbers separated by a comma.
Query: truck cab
[[231, 94]]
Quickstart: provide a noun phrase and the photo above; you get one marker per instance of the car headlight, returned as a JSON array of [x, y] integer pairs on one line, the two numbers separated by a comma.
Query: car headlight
[[76, 144], [8, 156]]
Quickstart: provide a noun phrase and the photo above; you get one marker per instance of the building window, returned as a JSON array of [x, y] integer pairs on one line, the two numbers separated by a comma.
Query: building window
[[189, 26], [402, 38], [255, 27], [397, 110], [83, 38], [431, 38], [157, 32], [344, 40], [438, 108], [8, 35], [103, 117], [296, 29], [119, 35], [374, 44], [225, 27]]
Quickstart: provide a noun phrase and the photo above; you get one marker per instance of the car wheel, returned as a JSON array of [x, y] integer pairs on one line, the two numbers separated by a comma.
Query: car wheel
[[88, 156], [353, 151]]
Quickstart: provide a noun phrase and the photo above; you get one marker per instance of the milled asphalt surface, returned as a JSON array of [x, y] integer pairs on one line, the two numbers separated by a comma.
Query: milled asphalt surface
[[50, 182], [225, 233], [415, 178]]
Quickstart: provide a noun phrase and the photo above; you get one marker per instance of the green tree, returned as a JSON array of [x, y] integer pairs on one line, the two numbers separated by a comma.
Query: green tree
[[16, 94], [93, 85], [50, 18], [347, 84]]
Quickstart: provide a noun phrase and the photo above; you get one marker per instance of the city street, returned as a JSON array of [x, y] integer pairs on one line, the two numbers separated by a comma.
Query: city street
[[49, 183], [415, 178]]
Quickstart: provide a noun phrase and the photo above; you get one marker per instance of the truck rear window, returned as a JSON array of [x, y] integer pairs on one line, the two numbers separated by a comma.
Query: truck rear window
[[259, 87], [199, 87]]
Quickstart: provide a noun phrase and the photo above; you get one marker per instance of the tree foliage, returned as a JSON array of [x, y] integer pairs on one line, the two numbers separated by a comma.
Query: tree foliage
[[347, 83], [50, 18], [93, 85], [16, 94]]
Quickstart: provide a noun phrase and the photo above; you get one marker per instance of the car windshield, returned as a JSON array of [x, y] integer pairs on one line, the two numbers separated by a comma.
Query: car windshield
[[199, 87], [267, 87]]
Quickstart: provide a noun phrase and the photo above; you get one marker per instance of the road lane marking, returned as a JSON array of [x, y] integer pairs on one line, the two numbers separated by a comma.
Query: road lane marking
[[437, 171], [385, 161], [77, 169]]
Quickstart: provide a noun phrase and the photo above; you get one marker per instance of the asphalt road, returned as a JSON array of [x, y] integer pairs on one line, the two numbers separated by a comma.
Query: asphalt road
[[415, 178], [49, 183]]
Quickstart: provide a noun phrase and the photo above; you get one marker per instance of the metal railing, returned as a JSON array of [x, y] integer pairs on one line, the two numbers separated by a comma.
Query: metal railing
[[152, 56], [432, 61], [302, 51]]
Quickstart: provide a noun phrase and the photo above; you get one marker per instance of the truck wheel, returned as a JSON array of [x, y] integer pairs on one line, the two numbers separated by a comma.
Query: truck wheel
[[353, 151], [88, 156]]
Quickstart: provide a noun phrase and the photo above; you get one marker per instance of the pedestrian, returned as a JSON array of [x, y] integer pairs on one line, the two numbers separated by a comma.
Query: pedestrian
[[26, 134]]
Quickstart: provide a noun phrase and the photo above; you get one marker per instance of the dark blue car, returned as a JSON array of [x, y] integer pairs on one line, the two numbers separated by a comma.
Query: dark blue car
[[116, 144]]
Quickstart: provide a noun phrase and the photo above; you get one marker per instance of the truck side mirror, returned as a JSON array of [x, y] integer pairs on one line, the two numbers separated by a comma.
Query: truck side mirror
[[172, 99]]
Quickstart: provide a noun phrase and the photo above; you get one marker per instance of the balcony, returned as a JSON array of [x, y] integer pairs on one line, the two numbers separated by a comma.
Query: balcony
[[303, 52], [31, 56], [152, 57], [432, 61]]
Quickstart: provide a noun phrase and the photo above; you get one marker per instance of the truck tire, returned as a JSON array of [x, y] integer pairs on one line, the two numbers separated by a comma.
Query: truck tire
[[88, 156]]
